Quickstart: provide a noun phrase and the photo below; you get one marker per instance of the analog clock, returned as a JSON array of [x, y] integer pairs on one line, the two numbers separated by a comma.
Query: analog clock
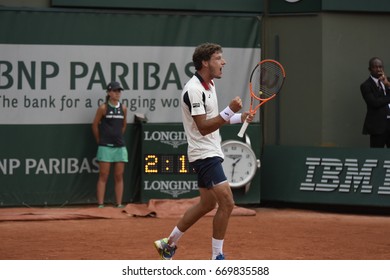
[[240, 163]]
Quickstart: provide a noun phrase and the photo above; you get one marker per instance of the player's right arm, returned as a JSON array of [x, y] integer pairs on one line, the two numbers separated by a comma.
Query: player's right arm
[[207, 126], [96, 121]]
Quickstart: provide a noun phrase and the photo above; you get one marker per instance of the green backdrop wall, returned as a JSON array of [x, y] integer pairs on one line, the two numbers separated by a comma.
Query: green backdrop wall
[[52, 59]]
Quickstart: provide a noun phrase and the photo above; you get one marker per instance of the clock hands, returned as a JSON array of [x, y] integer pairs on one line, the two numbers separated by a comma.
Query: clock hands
[[240, 163], [235, 161]]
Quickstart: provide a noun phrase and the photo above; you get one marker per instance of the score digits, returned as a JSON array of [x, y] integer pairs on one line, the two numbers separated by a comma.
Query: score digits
[[166, 164]]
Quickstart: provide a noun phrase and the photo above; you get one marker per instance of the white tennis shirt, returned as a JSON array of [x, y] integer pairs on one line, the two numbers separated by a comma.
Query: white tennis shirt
[[198, 98]]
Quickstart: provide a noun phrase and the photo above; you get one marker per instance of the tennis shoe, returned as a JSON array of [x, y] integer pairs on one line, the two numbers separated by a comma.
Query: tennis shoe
[[220, 257], [165, 250]]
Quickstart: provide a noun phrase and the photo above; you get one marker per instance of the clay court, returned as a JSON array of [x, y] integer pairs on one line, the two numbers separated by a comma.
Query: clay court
[[88, 233]]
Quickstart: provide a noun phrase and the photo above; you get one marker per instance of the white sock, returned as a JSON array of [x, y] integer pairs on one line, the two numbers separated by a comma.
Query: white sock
[[217, 245], [175, 236]]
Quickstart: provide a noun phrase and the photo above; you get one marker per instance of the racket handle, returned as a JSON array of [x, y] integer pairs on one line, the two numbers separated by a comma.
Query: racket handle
[[243, 129]]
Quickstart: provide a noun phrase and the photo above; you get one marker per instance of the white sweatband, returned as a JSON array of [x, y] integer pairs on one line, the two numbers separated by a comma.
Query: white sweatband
[[226, 113], [236, 118]]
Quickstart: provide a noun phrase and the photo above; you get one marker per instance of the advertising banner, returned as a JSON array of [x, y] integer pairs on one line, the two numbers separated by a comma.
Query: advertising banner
[[62, 84], [334, 176]]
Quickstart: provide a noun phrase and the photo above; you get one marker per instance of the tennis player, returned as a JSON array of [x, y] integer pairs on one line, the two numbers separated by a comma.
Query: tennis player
[[202, 120]]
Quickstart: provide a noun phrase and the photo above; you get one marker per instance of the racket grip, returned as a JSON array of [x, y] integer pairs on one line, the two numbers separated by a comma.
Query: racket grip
[[243, 129]]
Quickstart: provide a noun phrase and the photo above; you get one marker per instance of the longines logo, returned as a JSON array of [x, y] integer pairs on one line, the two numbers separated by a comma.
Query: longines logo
[[332, 174], [174, 188], [173, 138]]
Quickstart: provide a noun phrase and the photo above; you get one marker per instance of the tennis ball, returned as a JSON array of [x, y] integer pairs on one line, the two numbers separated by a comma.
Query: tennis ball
[[260, 92]]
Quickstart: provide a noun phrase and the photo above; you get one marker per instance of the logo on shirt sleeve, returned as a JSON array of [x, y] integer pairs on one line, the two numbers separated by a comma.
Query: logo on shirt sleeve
[[195, 105]]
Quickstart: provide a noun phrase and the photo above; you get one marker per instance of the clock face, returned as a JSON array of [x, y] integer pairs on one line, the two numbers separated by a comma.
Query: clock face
[[240, 163]]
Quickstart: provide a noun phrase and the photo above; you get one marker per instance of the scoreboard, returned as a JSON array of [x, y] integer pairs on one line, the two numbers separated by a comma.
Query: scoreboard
[[166, 164], [166, 172], [165, 169]]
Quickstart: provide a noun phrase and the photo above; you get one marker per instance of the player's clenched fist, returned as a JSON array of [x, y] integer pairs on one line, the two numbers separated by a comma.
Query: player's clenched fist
[[236, 104]]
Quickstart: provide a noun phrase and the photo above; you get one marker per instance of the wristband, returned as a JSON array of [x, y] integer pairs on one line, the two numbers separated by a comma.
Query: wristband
[[236, 118], [226, 113]]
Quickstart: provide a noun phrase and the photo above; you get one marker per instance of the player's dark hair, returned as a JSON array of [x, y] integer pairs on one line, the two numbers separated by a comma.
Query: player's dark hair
[[203, 53]]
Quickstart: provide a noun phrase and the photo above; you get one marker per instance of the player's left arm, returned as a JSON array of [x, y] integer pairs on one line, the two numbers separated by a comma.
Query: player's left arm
[[124, 125], [245, 116]]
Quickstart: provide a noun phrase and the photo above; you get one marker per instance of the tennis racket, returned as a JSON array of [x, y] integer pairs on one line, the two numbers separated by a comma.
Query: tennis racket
[[265, 83]]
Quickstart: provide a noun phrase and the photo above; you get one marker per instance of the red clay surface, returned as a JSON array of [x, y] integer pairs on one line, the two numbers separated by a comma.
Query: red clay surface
[[272, 234]]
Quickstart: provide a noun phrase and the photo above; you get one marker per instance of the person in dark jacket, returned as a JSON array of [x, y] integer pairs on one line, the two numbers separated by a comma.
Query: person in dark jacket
[[376, 93]]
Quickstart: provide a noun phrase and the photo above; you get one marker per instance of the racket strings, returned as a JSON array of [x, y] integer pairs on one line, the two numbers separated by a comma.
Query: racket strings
[[267, 80]]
